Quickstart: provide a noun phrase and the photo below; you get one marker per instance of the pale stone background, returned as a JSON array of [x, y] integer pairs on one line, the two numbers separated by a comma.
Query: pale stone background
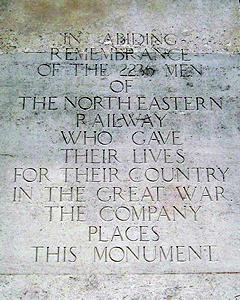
[[207, 27]]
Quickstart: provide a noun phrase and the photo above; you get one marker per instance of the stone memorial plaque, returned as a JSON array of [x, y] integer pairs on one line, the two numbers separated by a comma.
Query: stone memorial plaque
[[120, 150]]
